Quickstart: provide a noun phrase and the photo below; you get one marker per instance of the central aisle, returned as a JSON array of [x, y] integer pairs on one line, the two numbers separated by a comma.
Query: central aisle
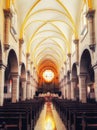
[[49, 119]]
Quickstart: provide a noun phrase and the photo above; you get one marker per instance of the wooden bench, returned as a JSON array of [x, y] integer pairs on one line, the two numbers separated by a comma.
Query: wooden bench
[[76, 115], [21, 115]]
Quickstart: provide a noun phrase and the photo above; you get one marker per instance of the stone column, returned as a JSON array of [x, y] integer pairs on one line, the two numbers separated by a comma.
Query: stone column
[[76, 41], [15, 87], [95, 87], [23, 82], [21, 41], [28, 90], [69, 58], [62, 73], [2, 71], [64, 86], [68, 89], [91, 28], [31, 83], [73, 87], [27, 61], [28, 87], [7, 15], [82, 88], [34, 84]]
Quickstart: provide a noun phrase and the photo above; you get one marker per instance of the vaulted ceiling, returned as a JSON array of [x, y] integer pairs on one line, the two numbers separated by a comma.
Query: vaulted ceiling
[[47, 26]]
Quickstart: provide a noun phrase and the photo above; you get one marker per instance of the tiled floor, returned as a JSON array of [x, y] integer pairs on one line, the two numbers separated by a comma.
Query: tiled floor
[[40, 125]]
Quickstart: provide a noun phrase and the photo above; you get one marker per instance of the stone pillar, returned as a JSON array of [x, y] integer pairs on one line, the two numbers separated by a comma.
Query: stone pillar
[[64, 86], [23, 82], [69, 90], [31, 82], [15, 87], [27, 61], [76, 41], [82, 88], [65, 77], [91, 28], [69, 58], [2, 71], [21, 41], [7, 15], [95, 87], [73, 87], [28, 90], [28, 87]]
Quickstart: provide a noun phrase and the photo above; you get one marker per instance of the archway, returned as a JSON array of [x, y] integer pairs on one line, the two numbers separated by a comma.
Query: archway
[[11, 78], [22, 83], [86, 77], [74, 83]]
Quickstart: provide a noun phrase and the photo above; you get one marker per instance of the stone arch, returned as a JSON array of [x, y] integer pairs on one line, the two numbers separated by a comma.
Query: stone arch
[[22, 83], [87, 77], [11, 77], [74, 83]]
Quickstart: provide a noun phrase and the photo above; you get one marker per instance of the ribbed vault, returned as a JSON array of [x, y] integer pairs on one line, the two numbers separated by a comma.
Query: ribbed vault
[[47, 27]]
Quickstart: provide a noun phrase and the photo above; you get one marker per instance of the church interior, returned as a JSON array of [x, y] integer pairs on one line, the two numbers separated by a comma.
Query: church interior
[[48, 65]]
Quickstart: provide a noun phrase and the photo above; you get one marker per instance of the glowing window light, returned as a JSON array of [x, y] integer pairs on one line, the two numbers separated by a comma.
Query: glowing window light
[[48, 75]]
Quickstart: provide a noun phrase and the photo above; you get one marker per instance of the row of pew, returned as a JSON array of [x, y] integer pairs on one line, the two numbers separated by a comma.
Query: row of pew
[[76, 115], [21, 115]]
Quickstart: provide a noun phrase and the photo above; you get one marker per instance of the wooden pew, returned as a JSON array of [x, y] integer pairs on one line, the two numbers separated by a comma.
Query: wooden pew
[[21, 115], [81, 119], [76, 115]]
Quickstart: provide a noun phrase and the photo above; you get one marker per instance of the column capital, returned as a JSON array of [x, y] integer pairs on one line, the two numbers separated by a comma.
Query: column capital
[[83, 74], [28, 82], [21, 41], [65, 76], [76, 41], [31, 62], [23, 79], [28, 54], [95, 66], [92, 47], [2, 66], [69, 71], [7, 13], [34, 68], [28, 72], [69, 54], [15, 74], [73, 79], [6, 46], [68, 82], [90, 14], [65, 63]]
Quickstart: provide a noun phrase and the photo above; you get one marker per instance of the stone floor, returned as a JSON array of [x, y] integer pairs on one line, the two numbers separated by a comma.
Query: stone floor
[[40, 125]]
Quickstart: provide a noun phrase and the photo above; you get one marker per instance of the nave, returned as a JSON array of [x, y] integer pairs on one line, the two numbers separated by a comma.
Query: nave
[[48, 114], [48, 48]]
